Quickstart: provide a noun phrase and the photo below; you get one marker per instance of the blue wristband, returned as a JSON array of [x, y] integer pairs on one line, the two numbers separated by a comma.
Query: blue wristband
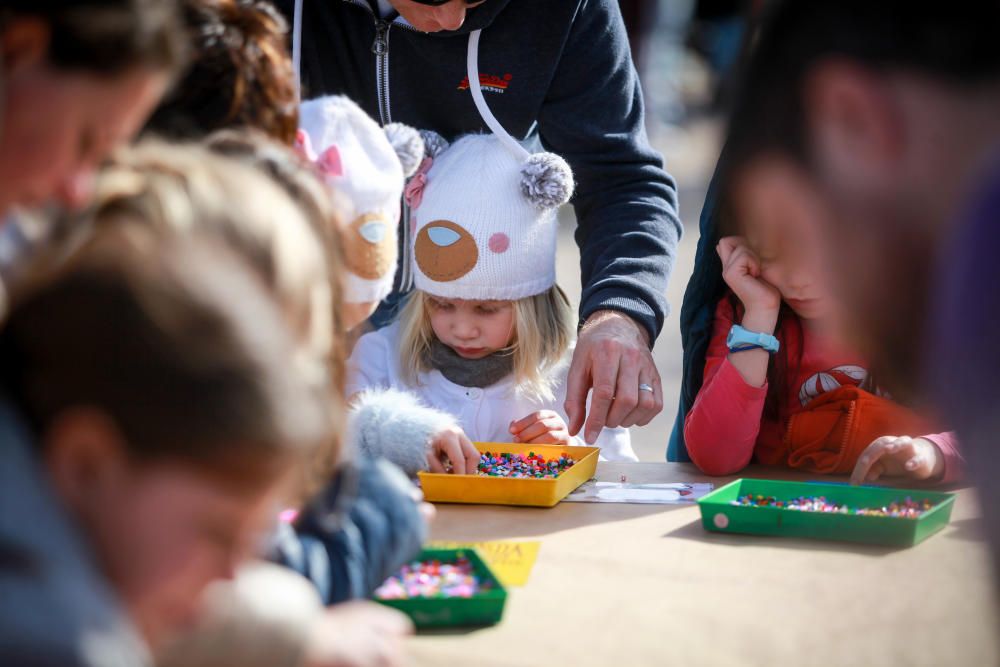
[[741, 340]]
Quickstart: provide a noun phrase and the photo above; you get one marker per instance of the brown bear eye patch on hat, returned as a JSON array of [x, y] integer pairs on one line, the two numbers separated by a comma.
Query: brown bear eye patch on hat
[[369, 246], [445, 251]]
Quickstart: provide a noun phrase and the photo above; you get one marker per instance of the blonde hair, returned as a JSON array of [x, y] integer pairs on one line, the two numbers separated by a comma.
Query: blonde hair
[[156, 191], [319, 203], [543, 332]]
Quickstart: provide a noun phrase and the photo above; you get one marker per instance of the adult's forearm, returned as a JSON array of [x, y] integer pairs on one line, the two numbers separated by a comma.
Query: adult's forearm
[[627, 254]]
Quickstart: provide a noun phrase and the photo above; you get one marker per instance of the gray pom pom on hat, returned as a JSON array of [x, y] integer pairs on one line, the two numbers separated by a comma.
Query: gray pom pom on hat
[[546, 180], [434, 143], [408, 145]]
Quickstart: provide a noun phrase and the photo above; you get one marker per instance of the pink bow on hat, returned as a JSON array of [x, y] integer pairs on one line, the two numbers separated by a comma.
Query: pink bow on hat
[[328, 163], [413, 193], [303, 146]]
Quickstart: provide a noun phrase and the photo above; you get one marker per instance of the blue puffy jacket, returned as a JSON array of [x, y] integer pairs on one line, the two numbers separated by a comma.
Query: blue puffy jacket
[[356, 532]]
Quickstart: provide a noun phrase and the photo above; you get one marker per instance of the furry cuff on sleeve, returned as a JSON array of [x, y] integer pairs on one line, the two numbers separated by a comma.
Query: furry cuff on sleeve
[[394, 425]]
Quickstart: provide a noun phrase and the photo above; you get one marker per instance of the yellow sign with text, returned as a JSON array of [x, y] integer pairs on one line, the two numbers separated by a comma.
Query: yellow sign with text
[[511, 561]]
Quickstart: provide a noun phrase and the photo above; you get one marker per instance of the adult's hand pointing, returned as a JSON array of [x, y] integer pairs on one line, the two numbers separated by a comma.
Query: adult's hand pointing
[[612, 359]]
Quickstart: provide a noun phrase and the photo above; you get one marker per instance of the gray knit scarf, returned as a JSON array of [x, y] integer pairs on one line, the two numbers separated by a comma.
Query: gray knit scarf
[[470, 372]]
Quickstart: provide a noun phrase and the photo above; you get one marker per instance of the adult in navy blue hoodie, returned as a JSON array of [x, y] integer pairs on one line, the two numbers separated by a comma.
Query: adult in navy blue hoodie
[[558, 70]]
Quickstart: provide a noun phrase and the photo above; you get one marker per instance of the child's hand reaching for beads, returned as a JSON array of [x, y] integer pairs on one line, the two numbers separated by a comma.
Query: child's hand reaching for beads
[[544, 427], [899, 456], [452, 451]]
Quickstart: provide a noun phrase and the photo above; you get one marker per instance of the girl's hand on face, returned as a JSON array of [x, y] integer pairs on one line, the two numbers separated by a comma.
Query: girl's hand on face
[[451, 451], [899, 456], [541, 428], [741, 271]]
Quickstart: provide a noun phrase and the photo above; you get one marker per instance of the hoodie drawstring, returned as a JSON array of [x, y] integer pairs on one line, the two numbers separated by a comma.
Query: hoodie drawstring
[[472, 66], [297, 48]]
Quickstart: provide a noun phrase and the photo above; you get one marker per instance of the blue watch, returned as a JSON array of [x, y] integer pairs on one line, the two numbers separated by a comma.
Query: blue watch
[[740, 340]]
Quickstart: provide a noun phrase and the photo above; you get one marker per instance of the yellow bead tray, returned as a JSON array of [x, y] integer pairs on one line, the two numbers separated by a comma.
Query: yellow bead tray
[[546, 492]]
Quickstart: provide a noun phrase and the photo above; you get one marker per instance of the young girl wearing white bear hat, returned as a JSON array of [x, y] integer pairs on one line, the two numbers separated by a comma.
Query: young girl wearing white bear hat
[[365, 166], [487, 334]]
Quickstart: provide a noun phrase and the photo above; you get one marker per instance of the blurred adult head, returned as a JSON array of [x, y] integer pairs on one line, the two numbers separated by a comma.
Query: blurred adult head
[[76, 79], [434, 15]]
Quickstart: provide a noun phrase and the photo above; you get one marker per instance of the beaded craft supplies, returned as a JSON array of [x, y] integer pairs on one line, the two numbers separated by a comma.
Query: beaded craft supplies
[[521, 466], [432, 579], [903, 509]]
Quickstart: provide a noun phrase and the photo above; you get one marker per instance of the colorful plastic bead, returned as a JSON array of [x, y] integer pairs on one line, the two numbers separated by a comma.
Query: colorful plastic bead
[[907, 508], [432, 579], [521, 466]]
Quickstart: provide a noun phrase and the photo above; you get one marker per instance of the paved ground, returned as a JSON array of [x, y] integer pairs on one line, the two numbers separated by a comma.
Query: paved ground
[[690, 152]]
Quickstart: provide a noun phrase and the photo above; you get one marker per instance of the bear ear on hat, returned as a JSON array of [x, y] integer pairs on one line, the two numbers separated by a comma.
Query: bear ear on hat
[[434, 143], [303, 146], [546, 180], [329, 163], [407, 144]]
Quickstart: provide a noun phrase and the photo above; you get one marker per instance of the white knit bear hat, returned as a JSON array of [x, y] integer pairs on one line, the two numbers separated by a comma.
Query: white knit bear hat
[[483, 212], [483, 220], [366, 166]]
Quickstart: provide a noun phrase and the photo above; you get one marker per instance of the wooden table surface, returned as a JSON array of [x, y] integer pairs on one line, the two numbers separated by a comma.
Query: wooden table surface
[[629, 585]]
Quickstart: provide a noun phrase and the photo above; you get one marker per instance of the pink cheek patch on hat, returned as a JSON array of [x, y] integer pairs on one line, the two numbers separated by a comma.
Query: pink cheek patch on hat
[[499, 243]]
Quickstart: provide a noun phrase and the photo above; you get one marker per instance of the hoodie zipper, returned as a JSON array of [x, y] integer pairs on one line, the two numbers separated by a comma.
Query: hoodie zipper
[[380, 47]]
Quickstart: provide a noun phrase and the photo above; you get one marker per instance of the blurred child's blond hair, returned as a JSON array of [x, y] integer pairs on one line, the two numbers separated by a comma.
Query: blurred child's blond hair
[[319, 203], [155, 191], [543, 332]]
